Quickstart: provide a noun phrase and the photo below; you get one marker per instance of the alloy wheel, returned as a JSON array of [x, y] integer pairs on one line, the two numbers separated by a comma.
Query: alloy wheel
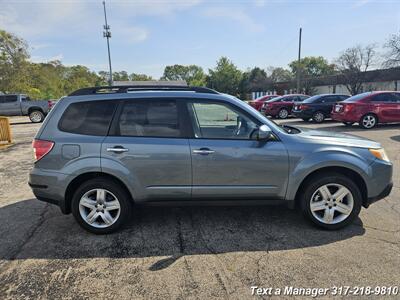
[[35, 117], [99, 208], [369, 121], [318, 117], [331, 203], [283, 114]]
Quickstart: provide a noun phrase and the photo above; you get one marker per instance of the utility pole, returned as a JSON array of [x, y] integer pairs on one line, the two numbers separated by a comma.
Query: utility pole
[[107, 35], [298, 63]]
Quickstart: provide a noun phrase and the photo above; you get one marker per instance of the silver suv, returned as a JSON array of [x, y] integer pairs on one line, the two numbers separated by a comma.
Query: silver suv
[[102, 150]]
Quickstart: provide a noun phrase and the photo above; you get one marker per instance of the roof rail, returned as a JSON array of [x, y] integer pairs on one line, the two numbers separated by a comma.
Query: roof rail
[[133, 88]]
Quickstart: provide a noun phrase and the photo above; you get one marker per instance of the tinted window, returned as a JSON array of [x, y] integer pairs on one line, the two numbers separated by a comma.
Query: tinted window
[[358, 97], [331, 99], [1, 99], [383, 97], [220, 121], [10, 98], [303, 97], [396, 97], [313, 99], [90, 118], [149, 118]]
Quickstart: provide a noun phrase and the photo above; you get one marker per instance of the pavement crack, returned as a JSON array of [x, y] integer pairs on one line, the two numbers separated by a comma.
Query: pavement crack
[[30, 235]]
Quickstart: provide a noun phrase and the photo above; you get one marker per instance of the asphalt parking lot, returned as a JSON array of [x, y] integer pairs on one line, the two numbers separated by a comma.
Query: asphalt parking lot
[[190, 252]]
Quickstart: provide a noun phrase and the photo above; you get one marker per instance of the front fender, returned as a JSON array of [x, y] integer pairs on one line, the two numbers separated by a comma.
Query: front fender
[[329, 157]]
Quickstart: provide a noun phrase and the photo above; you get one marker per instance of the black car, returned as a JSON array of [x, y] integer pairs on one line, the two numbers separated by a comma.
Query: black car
[[317, 107]]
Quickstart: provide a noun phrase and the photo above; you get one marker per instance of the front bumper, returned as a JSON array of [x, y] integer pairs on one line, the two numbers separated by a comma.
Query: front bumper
[[382, 195]]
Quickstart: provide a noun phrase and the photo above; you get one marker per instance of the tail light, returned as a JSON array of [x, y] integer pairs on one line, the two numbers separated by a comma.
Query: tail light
[[347, 107], [50, 104], [41, 148]]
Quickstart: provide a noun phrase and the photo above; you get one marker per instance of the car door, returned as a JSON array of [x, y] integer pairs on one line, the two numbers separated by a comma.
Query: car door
[[385, 105], [147, 139], [10, 106], [327, 103], [227, 163]]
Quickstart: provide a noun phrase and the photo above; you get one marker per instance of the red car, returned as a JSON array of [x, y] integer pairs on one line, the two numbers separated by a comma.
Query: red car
[[257, 103], [368, 109], [281, 107]]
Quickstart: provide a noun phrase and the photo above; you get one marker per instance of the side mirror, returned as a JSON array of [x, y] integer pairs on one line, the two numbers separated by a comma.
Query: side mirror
[[263, 133]]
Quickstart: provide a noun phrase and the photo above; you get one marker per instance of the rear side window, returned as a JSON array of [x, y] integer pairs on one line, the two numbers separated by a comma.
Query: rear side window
[[149, 118], [89, 118], [12, 98]]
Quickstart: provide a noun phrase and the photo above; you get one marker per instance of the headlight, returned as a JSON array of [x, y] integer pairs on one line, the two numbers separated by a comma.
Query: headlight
[[379, 154]]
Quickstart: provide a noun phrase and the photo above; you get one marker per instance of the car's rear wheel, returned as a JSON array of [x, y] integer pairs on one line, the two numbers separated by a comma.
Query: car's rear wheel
[[283, 113], [348, 123], [318, 117], [368, 121], [36, 116], [331, 201], [101, 206]]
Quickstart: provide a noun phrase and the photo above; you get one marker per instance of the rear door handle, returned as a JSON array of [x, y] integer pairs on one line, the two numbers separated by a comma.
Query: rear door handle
[[203, 151], [117, 149]]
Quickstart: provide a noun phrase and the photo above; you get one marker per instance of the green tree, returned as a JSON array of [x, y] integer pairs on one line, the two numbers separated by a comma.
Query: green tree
[[255, 80], [140, 77], [280, 74], [192, 74], [120, 76], [311, 67], [13, 62], [225, 77]]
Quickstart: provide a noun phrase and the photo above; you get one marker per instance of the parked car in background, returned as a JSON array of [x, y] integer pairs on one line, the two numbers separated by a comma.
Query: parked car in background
[[281, 107], [101, 152], [257, 103], [317, 108], [368, 109], [21, 105]]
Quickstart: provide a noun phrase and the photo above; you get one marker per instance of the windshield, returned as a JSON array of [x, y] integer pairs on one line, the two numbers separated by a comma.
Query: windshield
[[357, 97], [312, 99]]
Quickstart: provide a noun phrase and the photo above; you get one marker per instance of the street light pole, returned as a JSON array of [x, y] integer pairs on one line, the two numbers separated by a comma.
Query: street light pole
[[107, 35], [298, 63]]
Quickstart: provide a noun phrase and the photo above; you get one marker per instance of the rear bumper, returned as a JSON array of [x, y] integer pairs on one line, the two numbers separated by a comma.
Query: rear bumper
[[49, 187], [302, 114], [344, 117]]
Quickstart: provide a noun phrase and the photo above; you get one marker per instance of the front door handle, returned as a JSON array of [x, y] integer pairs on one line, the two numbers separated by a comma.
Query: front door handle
[[203, 151], [117, 149]]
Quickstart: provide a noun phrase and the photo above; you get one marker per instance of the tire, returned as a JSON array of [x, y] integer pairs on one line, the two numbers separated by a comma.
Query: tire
[[36, 116], [318, 117], [330, 214], [368, 121], [305, 119], [101, 210], [348, 124], [283, 113]]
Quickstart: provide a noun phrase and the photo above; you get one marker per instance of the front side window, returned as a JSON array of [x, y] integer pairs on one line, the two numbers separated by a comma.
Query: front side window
[[149, 118], [88, 118], [220, 121]]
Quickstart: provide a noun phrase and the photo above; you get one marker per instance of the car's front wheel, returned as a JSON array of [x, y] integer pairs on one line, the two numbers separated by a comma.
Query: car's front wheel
[[331, 201], [36, 116], [101, 206]]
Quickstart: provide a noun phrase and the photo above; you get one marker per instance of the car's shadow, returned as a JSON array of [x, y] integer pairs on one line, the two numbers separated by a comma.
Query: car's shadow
[[31, 229]]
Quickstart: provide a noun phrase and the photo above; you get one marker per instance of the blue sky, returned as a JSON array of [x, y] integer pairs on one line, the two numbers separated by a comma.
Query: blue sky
[[148, 35]]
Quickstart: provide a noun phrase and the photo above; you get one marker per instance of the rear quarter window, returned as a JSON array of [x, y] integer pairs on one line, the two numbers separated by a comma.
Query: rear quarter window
[[88, 118]]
